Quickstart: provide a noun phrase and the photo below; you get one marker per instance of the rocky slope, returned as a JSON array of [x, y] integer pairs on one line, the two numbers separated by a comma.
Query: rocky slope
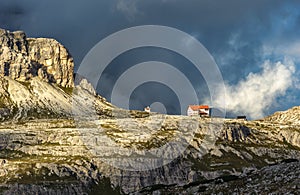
[[54, 153], [35, 99], [56, 138], [290, 116]]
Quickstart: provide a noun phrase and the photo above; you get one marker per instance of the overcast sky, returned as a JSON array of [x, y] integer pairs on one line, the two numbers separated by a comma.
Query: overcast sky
[[256, 44]]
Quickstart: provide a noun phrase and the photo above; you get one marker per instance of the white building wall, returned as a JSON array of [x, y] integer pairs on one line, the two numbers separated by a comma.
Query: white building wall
[[191, 112]]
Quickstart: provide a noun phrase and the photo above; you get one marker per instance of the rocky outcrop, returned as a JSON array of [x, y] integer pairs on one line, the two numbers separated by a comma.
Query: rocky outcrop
[[236, 132], [87, 86], [291, 116], [23, 58]]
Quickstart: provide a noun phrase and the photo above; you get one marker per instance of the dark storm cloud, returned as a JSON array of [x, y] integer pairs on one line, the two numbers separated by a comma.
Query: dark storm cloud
[[233, 31], [81, 24], [11, 15]]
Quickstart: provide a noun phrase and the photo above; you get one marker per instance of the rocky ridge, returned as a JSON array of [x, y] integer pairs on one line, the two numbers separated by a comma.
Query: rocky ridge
[[49, 143], [23, 58], [290, 116]]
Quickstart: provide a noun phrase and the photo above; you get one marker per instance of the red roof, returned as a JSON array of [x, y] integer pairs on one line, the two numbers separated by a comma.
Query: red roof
[[198, 107]]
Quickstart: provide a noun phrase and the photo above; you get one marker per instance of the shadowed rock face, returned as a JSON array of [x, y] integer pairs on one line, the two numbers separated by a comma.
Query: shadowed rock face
[[24, 58]]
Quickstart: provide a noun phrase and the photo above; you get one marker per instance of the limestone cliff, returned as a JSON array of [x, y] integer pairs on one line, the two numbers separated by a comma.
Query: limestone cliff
[[291, 116], [23, 58]]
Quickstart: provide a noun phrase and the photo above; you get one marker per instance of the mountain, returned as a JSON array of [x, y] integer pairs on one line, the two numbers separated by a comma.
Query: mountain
[[36, 82], [36, 77], [290, 116], [23, 58], [58, 136]]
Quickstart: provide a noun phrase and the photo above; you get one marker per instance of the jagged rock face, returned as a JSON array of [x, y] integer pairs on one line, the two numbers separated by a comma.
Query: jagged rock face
[[6, 107], [23, 58], [291, 116], [87, 86]]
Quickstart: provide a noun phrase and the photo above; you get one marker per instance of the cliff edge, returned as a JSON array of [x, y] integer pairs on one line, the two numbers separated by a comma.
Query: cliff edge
[[23, 58]]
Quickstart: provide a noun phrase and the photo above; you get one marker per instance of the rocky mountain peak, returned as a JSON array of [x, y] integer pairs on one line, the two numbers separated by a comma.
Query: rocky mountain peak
[[23, 58], [290, 116]]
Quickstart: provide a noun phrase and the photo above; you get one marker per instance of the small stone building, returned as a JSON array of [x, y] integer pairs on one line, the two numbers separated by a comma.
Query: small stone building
[[198, 110]]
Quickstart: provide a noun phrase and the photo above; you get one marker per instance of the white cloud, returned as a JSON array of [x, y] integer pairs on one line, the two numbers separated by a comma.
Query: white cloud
[[254, 95], [128, 8], [289, 49]]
